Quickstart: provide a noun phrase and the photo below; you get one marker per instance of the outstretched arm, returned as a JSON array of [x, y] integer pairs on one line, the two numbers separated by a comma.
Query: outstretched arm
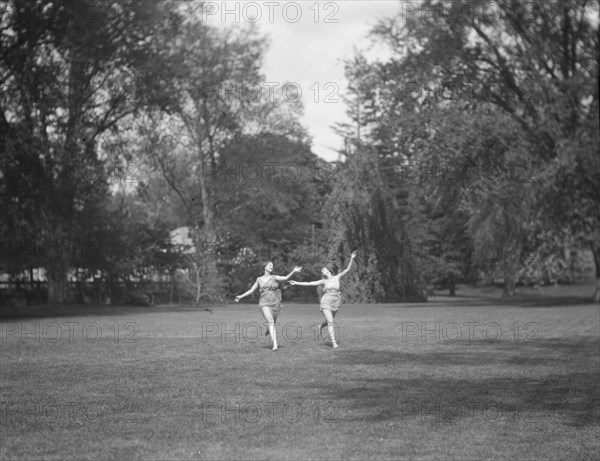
[[344, 272], [249, 292], [307, 284], [280, 278]]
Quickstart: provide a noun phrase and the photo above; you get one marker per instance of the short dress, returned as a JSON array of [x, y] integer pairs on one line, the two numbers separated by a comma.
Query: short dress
[[332, 297], [270, 294]]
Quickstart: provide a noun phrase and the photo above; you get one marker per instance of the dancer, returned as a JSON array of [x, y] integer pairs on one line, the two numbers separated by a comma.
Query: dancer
[[270, 297], [332, 298]]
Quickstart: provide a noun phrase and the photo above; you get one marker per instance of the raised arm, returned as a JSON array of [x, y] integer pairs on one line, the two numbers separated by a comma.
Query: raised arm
[[281, 278], [249, 292], [308, 284], [344, 272]]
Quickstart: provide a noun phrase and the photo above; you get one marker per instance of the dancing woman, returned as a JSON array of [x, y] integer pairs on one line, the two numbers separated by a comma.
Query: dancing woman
[[332, 298], [270, 297]]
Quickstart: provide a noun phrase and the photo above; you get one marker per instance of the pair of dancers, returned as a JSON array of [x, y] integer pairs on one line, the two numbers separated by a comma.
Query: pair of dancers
[[270, 297]]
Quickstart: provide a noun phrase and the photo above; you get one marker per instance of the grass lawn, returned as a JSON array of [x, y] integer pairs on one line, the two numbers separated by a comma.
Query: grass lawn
[[466, 378]]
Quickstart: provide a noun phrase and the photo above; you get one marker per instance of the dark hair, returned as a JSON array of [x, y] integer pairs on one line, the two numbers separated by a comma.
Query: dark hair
[[325, 267], [266, 263]]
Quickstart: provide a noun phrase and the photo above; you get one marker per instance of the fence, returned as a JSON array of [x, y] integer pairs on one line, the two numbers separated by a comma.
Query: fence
[[140, 293], [19, 292]]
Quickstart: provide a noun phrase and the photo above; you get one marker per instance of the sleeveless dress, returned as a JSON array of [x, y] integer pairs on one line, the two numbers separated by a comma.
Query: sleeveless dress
[[270, 294], [332, 296]]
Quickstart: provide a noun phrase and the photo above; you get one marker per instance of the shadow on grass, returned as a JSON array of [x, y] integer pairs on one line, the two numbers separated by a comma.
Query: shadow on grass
[[87, 310], [516, 301], [572, 294], [572, 398]]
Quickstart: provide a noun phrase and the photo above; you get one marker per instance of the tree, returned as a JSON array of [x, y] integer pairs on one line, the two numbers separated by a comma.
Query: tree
[[537, 67], [361, 214], [571, 201], [197, 109], [213, 66], [536, 63], [67, 73]]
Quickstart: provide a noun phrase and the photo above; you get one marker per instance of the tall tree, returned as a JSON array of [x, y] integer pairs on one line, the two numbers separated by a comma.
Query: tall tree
[[67, 71], [361, 213], [214, 66], [535, 63]]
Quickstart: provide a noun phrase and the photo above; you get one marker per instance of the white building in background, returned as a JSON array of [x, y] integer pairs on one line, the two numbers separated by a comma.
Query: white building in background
[[182, 236]]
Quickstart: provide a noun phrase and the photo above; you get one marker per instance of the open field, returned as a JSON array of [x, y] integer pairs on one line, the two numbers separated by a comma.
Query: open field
[[463, 378]]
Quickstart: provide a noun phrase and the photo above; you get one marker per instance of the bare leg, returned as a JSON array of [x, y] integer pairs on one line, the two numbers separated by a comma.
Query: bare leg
[[268, 315], [274, 321], [322, 325], [329, 315]]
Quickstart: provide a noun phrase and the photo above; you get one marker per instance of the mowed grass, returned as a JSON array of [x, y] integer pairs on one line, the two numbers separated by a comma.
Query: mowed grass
[[452, 379]]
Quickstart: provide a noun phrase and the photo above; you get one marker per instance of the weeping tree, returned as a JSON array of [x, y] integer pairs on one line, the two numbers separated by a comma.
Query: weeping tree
[[572, 195], [361, 214], [489, 187], [536, 63]]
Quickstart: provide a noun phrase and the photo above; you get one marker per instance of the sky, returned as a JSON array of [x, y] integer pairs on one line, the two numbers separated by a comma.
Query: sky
[[309, 42]]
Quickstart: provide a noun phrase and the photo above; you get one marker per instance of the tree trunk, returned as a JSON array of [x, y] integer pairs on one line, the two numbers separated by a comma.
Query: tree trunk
[[207, 259], [206, 195], [509, 288], [198, 286], [596, 253], [509, 279], [57, 284]]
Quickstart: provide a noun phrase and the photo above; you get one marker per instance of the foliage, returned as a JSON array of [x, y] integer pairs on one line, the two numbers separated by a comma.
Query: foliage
[[361, 214], [67, 79], [487, 95]]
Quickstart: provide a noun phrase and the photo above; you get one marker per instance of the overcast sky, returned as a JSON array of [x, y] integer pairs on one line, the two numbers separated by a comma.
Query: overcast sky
[[309, 41]]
